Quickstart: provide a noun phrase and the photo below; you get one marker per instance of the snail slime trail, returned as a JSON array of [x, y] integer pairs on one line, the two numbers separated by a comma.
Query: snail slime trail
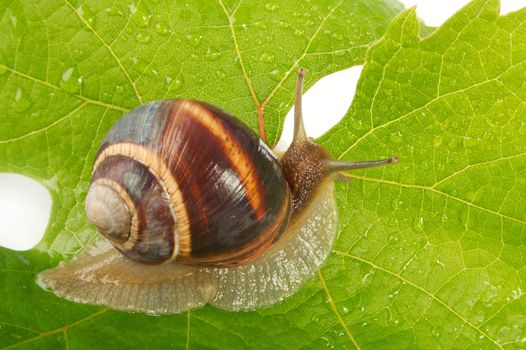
[[194, 208]]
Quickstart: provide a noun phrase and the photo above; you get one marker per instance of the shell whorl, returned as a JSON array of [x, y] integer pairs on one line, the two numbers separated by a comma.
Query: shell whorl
[[127, 185], [109, 212]]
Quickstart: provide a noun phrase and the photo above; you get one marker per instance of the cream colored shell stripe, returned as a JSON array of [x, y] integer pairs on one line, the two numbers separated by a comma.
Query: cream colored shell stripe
[[239, 158], [167, 182], [134, 228]]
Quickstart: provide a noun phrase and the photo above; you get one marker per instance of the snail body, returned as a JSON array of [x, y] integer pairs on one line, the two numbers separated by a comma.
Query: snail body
[[195, 209]]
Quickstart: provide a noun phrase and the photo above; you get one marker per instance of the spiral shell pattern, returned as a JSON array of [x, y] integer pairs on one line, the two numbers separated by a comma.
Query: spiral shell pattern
[[189, 182]]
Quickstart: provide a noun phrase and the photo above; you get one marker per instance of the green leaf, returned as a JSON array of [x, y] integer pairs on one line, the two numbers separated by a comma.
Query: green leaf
[[431, 253], [68, 71]]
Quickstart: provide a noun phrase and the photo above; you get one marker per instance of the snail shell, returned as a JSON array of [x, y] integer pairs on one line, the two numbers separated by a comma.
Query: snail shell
[[183, 180]]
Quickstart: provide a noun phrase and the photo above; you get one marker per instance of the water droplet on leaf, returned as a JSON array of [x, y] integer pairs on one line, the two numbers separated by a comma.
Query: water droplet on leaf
[[143, 37], [221, 74], [393, 221], [271, 7], [419, 224], [266, 57], [67, 74], [396, 137], [141, 19], [70, 82], [212, 54], [274, 75], [358, 125], [162, 28], [193, 40], [22, 102], [114, 12], [435, 331], [174, 85], [86, 14]]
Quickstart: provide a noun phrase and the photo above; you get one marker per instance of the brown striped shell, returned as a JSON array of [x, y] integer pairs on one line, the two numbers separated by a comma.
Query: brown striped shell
[[183, 180]]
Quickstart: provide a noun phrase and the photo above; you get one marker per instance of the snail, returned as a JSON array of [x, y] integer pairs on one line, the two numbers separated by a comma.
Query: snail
[[194, 208]]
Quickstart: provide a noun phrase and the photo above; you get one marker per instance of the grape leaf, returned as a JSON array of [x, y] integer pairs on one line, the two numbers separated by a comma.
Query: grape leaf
[[430, 253], [68, 71]]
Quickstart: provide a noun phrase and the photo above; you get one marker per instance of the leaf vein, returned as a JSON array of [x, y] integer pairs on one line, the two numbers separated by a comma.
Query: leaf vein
[[54, 87], [110, 50], [47, 127], [335, 310], [238, 53], [423, 290], [478, 164], [427, 104], [302, 56], [20, 327], [470, 204], [188, 313], [64, 329]]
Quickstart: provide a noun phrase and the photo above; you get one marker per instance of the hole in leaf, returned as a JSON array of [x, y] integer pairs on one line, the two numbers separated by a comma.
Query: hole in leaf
[[25, 206], [435, 13], [324, 105], [507, 6]]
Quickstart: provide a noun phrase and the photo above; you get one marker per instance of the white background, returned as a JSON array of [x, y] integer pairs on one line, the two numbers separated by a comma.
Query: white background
[[25, 204]]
